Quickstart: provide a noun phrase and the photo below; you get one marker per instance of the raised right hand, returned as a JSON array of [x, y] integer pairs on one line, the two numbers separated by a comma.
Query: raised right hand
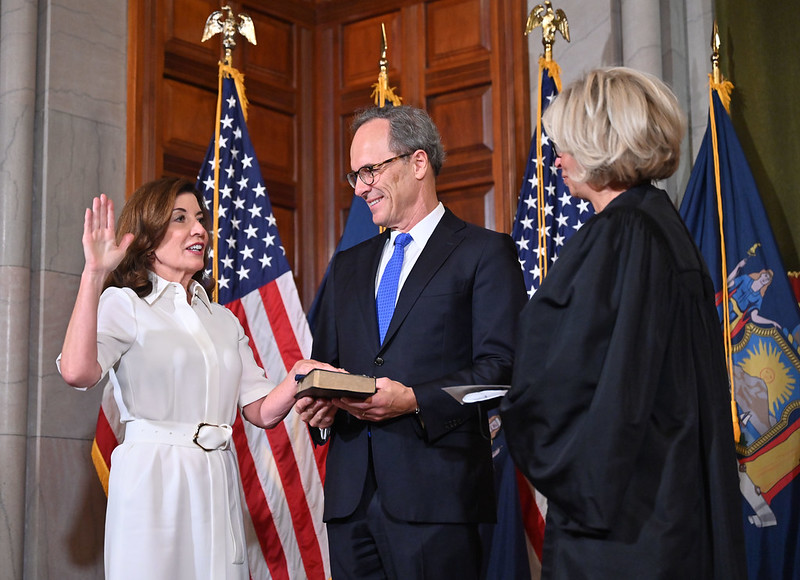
[[100, 248]]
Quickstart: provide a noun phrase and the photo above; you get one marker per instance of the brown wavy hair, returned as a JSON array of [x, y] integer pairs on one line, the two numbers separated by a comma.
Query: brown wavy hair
[[147, 215]]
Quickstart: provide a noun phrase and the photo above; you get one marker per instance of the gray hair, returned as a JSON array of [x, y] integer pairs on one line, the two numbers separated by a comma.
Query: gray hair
[[410, 129]]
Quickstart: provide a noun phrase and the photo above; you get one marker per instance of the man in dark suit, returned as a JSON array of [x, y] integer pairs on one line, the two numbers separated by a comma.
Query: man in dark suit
[[409, 470]]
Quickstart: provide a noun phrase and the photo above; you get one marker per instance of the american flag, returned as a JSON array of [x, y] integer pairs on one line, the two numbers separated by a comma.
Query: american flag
[[548, 215], [281, 472]]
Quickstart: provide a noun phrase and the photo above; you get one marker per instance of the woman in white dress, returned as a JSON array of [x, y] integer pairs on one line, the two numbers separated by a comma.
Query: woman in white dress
[[181, 368]]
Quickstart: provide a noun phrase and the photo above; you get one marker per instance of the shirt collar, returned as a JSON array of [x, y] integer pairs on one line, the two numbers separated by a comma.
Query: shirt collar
[[160, 286], [421, 232]]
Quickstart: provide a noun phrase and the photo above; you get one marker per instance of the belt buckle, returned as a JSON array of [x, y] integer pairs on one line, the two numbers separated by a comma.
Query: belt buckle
[[197, 434]]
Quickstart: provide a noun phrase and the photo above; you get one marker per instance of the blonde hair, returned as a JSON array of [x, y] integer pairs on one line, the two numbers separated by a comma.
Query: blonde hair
[[622, 126]]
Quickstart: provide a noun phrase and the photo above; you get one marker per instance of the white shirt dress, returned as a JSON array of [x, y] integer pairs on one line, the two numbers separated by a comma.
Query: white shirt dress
[[173, 497]]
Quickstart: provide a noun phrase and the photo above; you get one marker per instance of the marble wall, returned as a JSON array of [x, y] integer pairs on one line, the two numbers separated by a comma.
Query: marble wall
[[62, 136], [62, 126]]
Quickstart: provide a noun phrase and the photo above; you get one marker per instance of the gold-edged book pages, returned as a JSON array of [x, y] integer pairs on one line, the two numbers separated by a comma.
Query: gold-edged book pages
[[329, 384]]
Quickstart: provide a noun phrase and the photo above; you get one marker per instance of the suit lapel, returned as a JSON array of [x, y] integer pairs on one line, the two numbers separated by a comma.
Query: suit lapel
[[445, 238]]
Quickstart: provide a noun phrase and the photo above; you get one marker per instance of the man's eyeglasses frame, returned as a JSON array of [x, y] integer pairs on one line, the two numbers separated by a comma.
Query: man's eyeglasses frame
[[367, 173]]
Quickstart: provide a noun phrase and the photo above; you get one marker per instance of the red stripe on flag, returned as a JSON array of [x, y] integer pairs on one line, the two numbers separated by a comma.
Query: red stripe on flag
[[281, 325], [298, 504], [780, 484], [280, 445], [284, 334], [531, 516], [104, 437], [257, 505]]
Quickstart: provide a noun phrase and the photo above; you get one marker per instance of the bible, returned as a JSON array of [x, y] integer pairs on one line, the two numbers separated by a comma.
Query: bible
[[329, 384]]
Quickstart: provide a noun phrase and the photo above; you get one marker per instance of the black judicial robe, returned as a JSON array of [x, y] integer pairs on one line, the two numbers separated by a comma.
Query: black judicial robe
[[619, 410]]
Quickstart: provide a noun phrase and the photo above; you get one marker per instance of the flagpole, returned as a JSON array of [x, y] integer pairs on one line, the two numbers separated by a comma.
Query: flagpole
[[214, 212], [551, 21], [382, 92], [228, 27], [718, 83]]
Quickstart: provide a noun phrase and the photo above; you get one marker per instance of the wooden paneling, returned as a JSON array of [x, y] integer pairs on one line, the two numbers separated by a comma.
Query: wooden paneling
[[472, 204], [274, 134], [273, 61], [361, 46], [452, 109], [465, 61], [457, 31], [186, 119]]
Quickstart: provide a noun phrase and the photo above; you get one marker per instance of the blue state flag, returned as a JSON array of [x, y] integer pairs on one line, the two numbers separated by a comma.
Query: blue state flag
[[761, 317]]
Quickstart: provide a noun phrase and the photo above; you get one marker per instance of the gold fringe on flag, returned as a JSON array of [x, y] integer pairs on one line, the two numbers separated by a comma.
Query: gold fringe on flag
[[554, 71], [724, 89], [223, 21], [551, 21], [382, 92], [225, 71], [100, 466]]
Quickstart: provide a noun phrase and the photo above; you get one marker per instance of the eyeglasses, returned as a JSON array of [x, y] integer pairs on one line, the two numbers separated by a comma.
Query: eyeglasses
[[367, 173]]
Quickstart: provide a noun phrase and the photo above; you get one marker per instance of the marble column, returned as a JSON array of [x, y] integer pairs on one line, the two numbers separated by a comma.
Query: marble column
[[79, 152], [640, 26], [18, 25]]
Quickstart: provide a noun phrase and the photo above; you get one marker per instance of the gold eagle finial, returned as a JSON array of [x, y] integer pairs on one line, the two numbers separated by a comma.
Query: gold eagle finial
[[228, 27], [551, 21]]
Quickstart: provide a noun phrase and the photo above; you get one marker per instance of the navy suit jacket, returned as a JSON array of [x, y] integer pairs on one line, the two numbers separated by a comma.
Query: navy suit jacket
[[454, 323]]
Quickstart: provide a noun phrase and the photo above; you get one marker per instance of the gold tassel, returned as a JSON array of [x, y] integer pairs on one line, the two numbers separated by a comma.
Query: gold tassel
[[382, 92], [723, 89], [553, 70], [227, 71]]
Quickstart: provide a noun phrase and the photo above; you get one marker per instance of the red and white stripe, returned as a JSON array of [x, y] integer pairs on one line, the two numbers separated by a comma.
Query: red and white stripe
[[534, 511], [281, 465]]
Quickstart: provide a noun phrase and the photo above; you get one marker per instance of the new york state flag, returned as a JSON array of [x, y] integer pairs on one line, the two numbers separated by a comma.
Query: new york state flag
[[759, 314]]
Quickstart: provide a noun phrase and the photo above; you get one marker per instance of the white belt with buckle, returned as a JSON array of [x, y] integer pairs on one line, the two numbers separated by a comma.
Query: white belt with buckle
[[205, 436]]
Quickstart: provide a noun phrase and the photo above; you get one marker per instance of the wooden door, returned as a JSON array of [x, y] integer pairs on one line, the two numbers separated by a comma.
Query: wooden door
[[465, 61]]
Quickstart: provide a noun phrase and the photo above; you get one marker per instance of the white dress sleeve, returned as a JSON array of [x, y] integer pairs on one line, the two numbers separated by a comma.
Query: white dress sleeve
[[116, 326]]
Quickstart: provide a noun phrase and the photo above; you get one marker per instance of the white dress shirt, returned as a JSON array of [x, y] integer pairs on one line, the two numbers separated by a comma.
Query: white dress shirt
[[420, 234]]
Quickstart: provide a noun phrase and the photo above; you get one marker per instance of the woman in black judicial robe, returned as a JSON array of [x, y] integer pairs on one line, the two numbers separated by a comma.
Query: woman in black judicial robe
[[619, 411]]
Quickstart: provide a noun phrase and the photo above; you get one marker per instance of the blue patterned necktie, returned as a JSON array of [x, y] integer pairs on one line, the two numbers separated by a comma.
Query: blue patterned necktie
[[387, 289]]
